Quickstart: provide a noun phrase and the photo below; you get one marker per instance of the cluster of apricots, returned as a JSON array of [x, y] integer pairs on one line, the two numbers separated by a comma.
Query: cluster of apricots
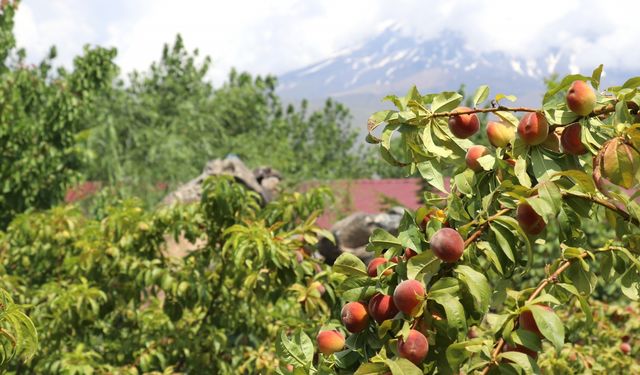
[[447, 244], [533, 129]]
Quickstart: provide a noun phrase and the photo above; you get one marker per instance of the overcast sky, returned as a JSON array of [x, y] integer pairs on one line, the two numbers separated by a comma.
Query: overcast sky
[[263, 36]]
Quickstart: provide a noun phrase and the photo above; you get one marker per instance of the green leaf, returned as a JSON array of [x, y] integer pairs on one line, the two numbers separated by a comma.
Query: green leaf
[[523, 361], [357, 288], [487, 162], [586, 308], [432, 174], [445, 286], [480, 95], [409, 234], [377, 368], [421, 264], [542, 165], [454, 312], [350, 265], [581, 178], [584, 280], [508, 118], [401, 366], [446, 101], [459, 352], [631, 83], [464, 182], [298, 351], [505, 240], [520, 170], [477, 285], [595, 77], [549, 324], [630, 283], [550, 193], [513, 223], [511, 98], [384, 240]]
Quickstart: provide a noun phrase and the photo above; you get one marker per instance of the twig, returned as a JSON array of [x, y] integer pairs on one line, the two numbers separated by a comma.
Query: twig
[[604, 203], [474, 236]]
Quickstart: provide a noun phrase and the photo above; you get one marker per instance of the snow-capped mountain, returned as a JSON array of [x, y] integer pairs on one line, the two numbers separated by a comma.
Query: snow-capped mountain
[[391, 62]]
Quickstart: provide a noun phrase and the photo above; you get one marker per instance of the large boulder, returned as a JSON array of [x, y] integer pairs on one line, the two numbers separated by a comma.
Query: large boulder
[[263, 180], [352, 233]]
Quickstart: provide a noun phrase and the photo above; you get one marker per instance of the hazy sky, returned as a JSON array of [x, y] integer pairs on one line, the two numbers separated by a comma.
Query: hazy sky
[[276, 36]]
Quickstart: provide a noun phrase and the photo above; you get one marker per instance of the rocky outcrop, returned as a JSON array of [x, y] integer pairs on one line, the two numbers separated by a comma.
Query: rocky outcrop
[[352, 233], [263, 180]]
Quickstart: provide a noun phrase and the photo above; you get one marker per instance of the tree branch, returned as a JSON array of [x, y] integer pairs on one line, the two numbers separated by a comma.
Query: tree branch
[[604, 203], [597, 112], [474, 236]]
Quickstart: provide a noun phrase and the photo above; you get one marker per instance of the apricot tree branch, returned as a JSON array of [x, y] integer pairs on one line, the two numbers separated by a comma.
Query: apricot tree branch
[[604, 203], [551, 279], [474, 236], [596, 112]]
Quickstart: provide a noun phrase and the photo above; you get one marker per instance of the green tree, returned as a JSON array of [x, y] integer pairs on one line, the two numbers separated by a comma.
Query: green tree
[[40, 117], [115, 295]]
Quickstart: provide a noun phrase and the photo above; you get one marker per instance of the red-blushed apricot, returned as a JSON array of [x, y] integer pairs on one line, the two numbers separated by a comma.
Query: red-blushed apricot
[[527, 321], [372, 268], [500, 134], [415, 348], [533, 128], [625, 348], [464, 126], [355, 317], [529, 220], [330, 342], [408, 295], [580, 98], [447, 244], [571, 140], [409, 253], [472, 333], [290, 368], [473, 154], [381, 307]]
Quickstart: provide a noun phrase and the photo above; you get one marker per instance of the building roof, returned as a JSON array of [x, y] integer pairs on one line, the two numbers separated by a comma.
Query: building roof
[[371, 196]]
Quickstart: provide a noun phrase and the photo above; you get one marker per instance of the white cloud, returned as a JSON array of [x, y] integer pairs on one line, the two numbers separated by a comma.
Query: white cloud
[[268, 36], [61, 23]]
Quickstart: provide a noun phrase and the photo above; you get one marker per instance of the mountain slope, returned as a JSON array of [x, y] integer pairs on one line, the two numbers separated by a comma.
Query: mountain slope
[[391, 62]]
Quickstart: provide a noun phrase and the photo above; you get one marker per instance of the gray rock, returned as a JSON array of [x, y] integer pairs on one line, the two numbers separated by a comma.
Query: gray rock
[[263, 181], [352, 233]]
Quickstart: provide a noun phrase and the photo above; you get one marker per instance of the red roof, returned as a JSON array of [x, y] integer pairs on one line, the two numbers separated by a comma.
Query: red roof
[[371, 196]]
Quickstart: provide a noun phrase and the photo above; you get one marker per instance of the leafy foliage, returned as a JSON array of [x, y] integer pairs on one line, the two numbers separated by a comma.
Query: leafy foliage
[[109, 295], [40, 115], [526, 218]]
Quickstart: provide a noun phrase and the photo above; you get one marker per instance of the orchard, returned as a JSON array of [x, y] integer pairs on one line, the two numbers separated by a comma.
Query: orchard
[[495, 274]]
